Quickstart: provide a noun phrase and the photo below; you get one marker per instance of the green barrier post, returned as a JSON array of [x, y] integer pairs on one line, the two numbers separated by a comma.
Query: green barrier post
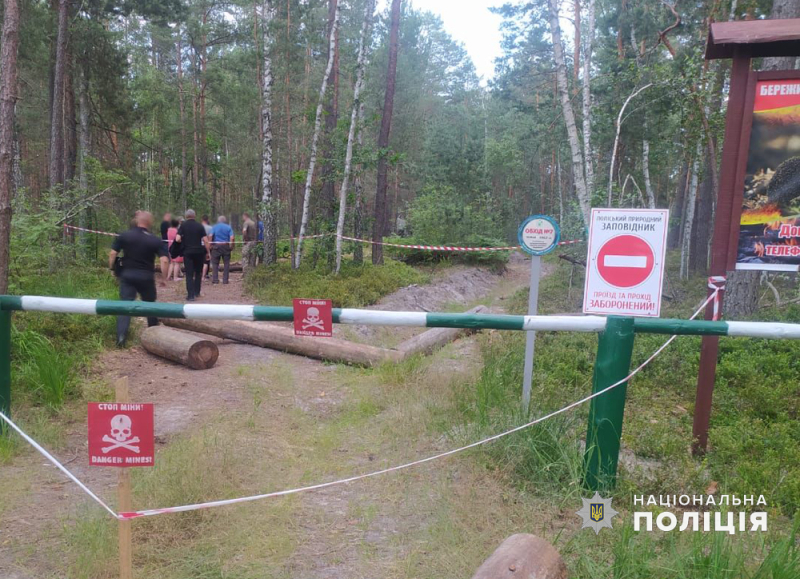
[[5, 365], [614, 352]]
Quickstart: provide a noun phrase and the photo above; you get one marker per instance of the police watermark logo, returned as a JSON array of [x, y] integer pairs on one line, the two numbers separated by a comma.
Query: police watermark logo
[[596, 513]]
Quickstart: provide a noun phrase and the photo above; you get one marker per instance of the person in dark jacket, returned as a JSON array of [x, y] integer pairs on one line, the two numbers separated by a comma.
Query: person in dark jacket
[[195, 250], [139, 249]]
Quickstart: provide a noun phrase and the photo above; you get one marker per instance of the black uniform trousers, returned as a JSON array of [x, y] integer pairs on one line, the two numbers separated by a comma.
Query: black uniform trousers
[[131, 283], [194, 262]]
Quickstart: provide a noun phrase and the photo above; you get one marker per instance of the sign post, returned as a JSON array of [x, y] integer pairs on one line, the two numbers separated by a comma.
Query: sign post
[[121, 435], [538, 236]]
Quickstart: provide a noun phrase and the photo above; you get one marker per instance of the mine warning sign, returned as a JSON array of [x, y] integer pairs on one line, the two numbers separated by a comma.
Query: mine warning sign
[[313, 318], [120, 434], [625, 264]]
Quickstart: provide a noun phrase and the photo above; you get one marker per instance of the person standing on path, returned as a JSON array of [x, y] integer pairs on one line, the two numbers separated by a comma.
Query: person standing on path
[[249, 236], [207, 264], [195, 248], [139, 248], [222, 238], [165, 225]]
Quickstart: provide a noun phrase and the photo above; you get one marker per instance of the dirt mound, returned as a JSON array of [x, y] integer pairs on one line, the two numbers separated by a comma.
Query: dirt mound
[[459, 286]]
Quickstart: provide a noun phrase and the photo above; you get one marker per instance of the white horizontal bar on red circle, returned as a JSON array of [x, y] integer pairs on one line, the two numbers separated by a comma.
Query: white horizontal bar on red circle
[[634, 261]]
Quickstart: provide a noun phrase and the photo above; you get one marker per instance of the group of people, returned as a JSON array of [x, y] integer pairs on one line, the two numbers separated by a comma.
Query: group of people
[[183, 242]]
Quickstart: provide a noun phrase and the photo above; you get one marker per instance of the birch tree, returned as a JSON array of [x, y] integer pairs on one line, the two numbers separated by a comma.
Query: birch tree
[[8, 99], [354, 118], [267, 208], [312, 163], [688, 215], [588, 154], [618, 127], [578, 169]]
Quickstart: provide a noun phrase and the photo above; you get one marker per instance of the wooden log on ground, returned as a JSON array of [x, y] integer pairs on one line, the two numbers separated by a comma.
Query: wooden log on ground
[[284, 340], [523, 557], [186, 349], [431, 340]]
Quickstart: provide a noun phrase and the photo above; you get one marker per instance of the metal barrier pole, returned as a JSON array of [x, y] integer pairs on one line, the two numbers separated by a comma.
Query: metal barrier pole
[[5, 365], [614, 352]]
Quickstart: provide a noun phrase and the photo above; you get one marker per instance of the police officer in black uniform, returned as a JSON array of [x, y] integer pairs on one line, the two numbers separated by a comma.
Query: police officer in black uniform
[[139, 248]]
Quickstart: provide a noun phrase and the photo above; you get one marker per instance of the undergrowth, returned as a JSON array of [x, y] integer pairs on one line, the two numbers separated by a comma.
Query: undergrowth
[[754, 437], [356, 285]]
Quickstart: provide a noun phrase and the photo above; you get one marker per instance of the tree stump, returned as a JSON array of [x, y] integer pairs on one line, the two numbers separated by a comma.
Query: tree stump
[[180, 347], [523, 557]]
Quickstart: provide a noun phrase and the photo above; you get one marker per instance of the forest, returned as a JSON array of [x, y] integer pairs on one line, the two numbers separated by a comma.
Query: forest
[[359, 133]]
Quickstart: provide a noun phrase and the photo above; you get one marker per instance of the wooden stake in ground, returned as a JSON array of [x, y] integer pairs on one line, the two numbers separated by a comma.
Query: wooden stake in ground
[[124, 498]]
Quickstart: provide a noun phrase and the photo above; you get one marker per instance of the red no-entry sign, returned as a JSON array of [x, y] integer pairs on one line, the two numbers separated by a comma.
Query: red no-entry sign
[[625, 261]]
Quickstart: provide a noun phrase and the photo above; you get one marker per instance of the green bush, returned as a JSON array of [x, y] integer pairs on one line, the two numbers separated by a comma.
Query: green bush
[[420, 256], [356, 285]]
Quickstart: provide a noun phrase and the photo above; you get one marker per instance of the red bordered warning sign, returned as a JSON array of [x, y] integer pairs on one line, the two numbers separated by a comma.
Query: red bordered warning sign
[[313, 318], [625, 265], [120, 434]]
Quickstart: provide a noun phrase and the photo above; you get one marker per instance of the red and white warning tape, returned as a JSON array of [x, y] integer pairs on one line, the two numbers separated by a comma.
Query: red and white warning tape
[[448, 247], [212, 504], [717, 283], [75, 228], [453, 248]]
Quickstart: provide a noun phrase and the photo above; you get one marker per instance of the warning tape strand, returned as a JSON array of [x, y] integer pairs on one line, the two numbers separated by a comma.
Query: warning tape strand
[[109, 234], [447, 248], [226, 502]]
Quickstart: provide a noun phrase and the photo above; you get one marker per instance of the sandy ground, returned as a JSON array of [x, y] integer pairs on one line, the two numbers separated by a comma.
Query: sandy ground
[[38, 499]]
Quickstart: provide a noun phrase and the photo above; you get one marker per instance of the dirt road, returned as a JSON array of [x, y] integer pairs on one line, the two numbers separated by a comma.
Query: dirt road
[[262, 421]]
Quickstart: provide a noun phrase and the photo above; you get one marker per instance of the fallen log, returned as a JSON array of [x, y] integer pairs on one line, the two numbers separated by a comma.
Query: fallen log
[[431, 340], [284, 340], [523, 557], [186, 349]]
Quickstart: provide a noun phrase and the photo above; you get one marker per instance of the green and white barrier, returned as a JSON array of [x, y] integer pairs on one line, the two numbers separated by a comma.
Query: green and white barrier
[[615, 347], [350, 316]]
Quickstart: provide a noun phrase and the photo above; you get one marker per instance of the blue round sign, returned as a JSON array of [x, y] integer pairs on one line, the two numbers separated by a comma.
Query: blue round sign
[[539, 235]]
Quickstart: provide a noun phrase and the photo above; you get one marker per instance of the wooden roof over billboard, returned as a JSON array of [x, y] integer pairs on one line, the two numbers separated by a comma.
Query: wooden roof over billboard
[[754, 38]]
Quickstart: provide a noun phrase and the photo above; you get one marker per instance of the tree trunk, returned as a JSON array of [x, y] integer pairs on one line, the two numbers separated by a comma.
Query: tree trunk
[[588, 153], [648, 185], [348, 161], [182, 109], [615, 147], [70, 122], [84, 138], [676, 209], [8, 98], [181, 347], [688, 216], [576, 59], [569, 115], [268, 209], [331, 112], [383, 138], [358, 204], [57, 114], [698, 257], [315, 138], [741, 295]]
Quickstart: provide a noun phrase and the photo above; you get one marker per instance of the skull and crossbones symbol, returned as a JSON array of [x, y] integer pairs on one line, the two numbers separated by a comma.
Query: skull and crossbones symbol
[[121, 435], [312, 320]]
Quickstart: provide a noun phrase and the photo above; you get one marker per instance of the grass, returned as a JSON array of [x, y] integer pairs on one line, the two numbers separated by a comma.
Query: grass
[[443, 520], [355, 286]]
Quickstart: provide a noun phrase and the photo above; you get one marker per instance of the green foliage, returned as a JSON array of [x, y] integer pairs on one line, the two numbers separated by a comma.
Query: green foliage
[[355, 286], [50, 351]]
